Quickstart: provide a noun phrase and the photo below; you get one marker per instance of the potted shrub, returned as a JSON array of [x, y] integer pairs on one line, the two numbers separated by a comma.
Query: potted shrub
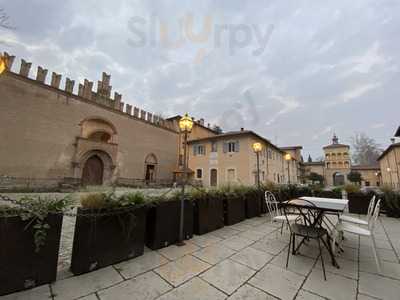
[[29, 242], [208, 210], [163, 221], [234, 206], [253, 200], [108, 230]]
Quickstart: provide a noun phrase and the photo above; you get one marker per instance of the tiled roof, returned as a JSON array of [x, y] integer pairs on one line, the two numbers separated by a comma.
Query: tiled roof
[[388, 149], [336, 146], [365, 167], [235, 133]]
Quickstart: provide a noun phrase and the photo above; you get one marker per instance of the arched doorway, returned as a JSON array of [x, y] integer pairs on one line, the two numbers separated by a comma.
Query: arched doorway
[[150, 164], [93, 171], [213, 177], [338, 179]]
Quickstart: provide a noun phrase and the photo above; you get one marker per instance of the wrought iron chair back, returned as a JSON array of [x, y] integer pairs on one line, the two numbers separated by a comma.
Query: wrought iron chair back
[[272, 205], [371, 208], [374, 217]]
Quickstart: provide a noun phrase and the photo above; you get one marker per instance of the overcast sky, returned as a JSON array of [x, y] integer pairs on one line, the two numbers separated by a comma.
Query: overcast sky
[[293, 71]]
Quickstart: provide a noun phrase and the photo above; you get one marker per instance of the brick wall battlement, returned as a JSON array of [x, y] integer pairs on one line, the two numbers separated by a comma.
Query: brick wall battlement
[[100, 96]]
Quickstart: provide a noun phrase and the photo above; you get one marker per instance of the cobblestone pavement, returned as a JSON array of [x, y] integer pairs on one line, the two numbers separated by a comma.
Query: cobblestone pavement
[[243, 261]]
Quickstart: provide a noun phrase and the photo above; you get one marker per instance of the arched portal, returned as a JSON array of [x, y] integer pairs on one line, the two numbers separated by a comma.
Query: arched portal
[[93, 171], [338, 179]]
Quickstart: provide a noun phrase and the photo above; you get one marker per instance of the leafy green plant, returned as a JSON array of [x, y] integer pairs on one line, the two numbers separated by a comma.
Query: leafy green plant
[[36, 211], [352, 188]]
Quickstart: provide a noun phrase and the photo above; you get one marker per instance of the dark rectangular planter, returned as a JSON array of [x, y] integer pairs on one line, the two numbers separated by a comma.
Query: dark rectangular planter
[[20, 266], [101, 240], [234, 209], [163, 222], [358, 203], [253, 204], [208, 214]]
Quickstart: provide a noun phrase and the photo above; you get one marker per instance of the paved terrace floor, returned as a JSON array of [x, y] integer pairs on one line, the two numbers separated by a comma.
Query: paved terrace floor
[[243, 261]]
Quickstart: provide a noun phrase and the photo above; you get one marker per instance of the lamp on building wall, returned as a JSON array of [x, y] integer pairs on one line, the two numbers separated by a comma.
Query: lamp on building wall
[[288, 158], [2, 64], [185, 127]]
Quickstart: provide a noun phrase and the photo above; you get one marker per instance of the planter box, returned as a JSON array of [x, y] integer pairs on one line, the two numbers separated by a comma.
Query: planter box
[[253, 203], [20, 266], [208, 214], [234, 209], [103, 240], [163, 222], [359, 202]]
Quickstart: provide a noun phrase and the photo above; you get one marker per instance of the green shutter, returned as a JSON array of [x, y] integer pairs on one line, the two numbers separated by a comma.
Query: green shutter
[[194, 150]]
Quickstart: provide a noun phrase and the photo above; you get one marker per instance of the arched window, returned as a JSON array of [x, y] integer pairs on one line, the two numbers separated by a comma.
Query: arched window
[[99, 130], [100, 136]]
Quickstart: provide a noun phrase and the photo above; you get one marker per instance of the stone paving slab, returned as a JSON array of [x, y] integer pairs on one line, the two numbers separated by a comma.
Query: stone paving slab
[[147, 286], [379, 287], [335, 287], [252, 258], [39, 293], [214, 254], [247, 292], [237, 243], [228, 275], [181, 270], [278, 282], [148, 261], [78, 286], [205, 240], [174, 252], [195, 289]]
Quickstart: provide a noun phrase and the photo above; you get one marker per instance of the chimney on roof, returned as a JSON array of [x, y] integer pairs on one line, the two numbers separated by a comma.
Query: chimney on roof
[[392, 140], [208, 125], [201, 121], [242, 129]]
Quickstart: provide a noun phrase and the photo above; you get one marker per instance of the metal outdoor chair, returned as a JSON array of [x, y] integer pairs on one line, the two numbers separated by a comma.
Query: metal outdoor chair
[[309, 230], [347, 227], [275, 213], [349, 219]]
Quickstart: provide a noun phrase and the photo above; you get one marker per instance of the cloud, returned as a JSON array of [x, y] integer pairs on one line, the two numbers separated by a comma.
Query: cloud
[[325, 63]]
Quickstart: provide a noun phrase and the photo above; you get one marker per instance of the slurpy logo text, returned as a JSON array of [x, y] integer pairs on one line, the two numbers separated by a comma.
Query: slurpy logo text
[[155, 32]]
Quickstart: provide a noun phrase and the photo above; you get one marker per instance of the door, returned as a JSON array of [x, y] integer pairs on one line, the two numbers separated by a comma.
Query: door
[[93, 171], [150, 173], [213, 177]]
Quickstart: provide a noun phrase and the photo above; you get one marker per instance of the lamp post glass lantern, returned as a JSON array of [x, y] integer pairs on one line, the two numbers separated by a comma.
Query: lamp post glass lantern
[[185, 127], [288, 158]]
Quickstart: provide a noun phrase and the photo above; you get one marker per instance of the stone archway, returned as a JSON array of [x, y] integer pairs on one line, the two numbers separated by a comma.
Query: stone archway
[[338, 179], [95, 168]]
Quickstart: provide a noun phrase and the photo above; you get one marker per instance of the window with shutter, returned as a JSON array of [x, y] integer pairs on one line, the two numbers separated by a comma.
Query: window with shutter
[[225, 147], [214, 147]]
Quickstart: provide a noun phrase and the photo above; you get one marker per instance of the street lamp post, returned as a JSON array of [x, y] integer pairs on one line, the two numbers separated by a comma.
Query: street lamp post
[[257, 148], [288, 158], [185, 126]]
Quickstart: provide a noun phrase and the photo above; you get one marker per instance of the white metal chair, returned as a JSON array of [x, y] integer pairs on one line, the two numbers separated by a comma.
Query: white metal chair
[[275, 213], [347, 227], [349, 219]]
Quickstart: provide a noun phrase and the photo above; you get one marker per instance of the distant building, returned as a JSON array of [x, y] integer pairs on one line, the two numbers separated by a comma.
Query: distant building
[[370, 175], [295, 171], [389, 163], [337, 162], [317, 167], [228, 158]]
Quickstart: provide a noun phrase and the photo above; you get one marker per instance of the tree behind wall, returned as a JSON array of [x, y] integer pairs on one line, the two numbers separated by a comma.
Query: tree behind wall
[[354, 177], [315, 177], [365, 150]]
